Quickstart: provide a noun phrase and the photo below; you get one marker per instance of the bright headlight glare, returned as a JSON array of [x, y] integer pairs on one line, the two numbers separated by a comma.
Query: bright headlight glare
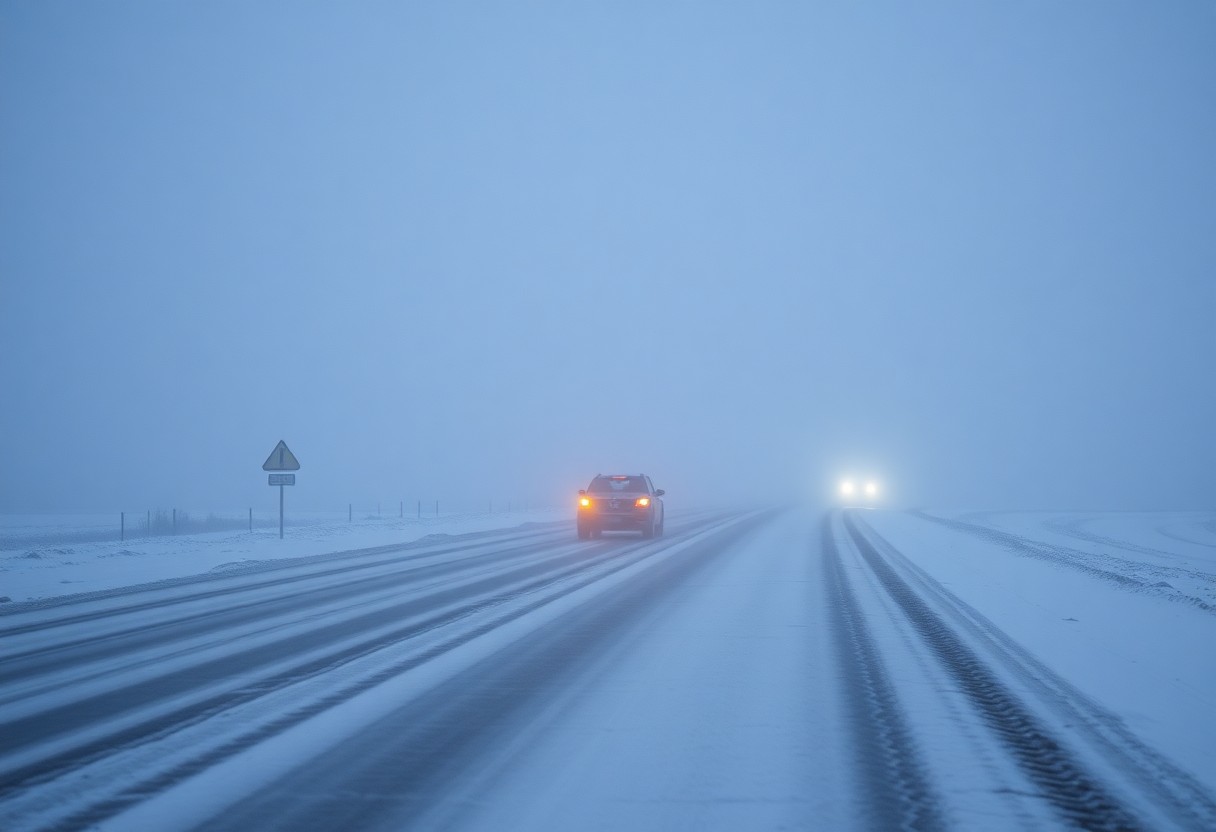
[[846, 487], [643, 502], [584, 502], [871, 488]]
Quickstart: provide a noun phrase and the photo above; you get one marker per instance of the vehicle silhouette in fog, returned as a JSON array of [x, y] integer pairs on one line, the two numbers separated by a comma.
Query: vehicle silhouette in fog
[[620, 502], [854, 491]]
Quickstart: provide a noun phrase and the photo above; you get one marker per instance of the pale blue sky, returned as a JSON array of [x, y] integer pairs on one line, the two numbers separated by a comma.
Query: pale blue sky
[[487, 250]]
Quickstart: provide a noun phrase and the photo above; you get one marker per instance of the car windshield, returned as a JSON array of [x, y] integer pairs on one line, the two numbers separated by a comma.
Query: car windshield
[[617, 485]]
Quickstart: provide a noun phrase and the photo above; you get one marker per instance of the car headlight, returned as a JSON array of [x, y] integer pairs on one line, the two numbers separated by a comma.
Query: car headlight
[[847, 488], [585, 502], [871, 489], [642, 502]]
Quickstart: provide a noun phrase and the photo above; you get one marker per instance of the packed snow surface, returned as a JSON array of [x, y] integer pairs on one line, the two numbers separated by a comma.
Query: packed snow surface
[[790, 669]]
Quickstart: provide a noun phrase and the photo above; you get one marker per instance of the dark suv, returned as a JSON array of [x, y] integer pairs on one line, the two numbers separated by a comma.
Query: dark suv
[[620, 502]]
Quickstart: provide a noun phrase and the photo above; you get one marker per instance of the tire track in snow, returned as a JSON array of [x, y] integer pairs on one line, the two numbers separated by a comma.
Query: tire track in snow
[[1073, 527], [51, 763], [401, 552], [897, 795], [1138, 766], [1166, 531], [447, 724], [1125, 573], [266, 600], [1076, 795], [320, 649]]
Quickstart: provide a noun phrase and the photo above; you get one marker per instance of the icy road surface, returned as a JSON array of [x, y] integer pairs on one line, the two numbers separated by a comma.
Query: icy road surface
[[771, 670]]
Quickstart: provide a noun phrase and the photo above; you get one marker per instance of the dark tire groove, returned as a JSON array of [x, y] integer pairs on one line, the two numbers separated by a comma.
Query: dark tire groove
[[897, 795]]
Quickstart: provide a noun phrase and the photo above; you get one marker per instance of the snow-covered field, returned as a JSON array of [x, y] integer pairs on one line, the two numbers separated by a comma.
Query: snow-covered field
[[750, 670]]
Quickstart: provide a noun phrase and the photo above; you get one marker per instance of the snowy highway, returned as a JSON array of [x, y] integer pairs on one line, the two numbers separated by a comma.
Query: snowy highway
[[790, 669], [607, 417]]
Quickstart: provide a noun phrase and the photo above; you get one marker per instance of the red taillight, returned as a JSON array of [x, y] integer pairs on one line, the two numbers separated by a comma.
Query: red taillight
[[642, 502]]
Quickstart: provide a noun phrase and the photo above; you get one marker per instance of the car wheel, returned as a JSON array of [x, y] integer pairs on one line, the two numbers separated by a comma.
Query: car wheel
[[662, 526], [583, 532], [596, 532], [648, 529]]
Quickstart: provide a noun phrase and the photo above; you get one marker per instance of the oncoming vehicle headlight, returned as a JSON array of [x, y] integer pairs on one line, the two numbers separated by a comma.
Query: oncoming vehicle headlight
[[871, 489], [642, 502], [847, 488]]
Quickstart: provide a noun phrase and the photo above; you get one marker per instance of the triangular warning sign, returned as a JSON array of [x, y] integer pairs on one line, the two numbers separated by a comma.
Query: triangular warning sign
[[281, 459]]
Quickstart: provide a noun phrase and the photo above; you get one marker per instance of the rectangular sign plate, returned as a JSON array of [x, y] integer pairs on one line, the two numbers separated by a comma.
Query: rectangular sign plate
[[282, 479]]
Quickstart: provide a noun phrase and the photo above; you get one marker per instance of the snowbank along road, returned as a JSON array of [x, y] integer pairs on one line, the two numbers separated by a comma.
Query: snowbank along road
[[764, 670]]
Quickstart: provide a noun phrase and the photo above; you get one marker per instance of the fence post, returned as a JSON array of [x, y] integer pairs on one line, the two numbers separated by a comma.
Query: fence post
[[402, 512], [175, 521], [148, 524], [350, 514], [122, 525], [436, 508], [251, 518], [420, 509]]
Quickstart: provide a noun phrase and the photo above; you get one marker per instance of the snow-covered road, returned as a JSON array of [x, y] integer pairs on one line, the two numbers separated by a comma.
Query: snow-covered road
[[762, 670]]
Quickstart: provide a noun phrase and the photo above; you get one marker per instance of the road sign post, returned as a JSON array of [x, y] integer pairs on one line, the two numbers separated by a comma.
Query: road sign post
[[281, 459]]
